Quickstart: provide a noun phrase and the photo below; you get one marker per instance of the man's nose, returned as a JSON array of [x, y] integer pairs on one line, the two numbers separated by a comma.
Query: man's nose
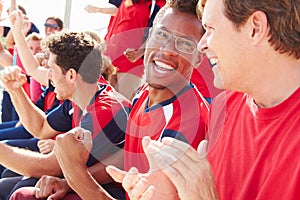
[[202, 44]]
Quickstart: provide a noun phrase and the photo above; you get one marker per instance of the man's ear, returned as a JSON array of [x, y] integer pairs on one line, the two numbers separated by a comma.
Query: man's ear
[[71, 75], [258, 23]]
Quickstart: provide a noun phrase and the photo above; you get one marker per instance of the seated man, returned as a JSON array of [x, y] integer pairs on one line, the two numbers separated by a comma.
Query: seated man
[[96, 106]]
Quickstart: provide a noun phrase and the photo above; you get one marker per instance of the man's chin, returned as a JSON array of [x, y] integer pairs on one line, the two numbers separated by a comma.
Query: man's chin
[[157, 86], [58, 97]]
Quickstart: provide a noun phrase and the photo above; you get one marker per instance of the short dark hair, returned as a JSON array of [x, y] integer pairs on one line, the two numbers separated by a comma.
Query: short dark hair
[[186, 6], [77, 50], [59, 22]]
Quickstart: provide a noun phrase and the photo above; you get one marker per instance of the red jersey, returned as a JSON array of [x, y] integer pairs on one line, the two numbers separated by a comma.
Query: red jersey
[[182, 117], [106, 117], [127, 30]]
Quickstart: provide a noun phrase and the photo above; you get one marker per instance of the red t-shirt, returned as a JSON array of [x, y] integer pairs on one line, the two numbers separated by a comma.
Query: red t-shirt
[[127, 30], [254, 152]]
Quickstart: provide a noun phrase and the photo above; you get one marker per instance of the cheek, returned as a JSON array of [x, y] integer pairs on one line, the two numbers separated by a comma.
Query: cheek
[[185, 68], [53, 76]]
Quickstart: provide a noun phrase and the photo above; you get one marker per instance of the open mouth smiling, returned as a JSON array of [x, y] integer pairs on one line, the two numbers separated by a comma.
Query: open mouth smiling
[[162, 67]]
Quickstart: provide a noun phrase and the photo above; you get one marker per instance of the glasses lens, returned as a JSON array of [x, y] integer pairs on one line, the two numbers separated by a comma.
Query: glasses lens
[[51, 25], [182, 44], [185, 45], [161, 36]]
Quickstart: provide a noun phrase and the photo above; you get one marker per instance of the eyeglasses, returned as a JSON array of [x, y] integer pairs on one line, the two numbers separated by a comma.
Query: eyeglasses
[[182, 44], [54, 26]]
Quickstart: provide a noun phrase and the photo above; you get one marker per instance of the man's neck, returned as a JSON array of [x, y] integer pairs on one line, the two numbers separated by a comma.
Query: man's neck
[[157, 96], [84, 94], [277, 86]]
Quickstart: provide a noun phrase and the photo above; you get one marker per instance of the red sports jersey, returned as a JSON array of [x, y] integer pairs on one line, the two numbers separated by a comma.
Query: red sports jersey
[[127, 30], [254, 152], [181, 117], [106, 117]]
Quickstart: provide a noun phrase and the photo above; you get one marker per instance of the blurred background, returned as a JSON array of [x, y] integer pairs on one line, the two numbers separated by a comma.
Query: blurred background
[[70, 11]]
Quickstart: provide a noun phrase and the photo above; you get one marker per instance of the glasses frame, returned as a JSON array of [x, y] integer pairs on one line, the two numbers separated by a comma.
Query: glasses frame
[[176, 39], [53, 26]]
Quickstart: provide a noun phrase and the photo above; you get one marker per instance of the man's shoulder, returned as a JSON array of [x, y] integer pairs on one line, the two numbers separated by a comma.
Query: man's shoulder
[[107, 97]]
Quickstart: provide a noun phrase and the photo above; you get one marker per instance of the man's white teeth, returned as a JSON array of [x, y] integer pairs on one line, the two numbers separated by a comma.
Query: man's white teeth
[[213, 61], [163, 65]]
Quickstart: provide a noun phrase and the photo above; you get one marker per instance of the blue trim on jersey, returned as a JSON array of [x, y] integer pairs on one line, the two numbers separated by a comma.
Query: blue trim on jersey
[[167, 102], [208, 99], [41, 101], [174, 134], [101, 88], [110, 139]]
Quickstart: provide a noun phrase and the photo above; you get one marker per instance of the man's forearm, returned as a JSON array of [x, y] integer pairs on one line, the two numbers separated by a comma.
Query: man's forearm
[[28, 163], [111, 10], [82, 182], [29, 62], [31, 116], [98, 170]]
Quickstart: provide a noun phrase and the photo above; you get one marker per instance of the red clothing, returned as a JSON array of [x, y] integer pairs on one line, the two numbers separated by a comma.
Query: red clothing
[[105, 114], [126, 31], [160, 3], [26, 193], [182, 117], [254, 152]]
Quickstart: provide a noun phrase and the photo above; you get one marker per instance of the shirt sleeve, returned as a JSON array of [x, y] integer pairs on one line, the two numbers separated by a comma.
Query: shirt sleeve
[[60, 119]]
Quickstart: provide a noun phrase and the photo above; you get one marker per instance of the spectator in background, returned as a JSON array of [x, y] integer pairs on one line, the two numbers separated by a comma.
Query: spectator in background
[[34, 41], [110, 8], [8, 112], [53, 25], [30, 28], [127, 30]]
